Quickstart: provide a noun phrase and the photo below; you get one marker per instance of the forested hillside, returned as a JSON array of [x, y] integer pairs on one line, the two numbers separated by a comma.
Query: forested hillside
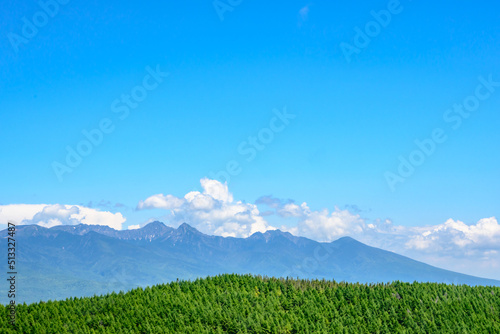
[[247, 304]]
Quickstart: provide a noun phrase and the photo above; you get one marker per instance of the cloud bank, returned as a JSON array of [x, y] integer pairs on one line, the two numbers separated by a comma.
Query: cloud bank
[[212, 211], [48, 215], [450, 245], [455, 245]]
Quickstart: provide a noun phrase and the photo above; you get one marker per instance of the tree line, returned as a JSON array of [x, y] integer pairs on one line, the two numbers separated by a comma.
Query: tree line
[[232, 303]]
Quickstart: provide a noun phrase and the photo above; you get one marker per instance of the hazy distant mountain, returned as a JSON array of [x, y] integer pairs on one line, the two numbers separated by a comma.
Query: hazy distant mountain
[[83, 260], [149, 232]]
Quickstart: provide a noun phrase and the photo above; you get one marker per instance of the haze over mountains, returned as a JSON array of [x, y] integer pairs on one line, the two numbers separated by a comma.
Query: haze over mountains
[[83, 260]]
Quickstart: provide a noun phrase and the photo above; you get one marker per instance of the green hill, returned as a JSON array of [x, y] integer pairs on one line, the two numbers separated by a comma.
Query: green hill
[[249, 304]]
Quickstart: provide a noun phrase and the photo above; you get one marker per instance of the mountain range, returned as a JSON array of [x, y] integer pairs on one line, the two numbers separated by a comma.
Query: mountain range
[[83, 260]]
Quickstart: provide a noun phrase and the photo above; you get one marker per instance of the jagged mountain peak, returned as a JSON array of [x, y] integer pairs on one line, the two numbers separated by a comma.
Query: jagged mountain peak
[[271, 235], [82, 229], [154, 227]]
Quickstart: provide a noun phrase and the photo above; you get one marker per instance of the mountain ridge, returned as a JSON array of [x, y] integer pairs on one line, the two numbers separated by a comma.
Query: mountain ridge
[[93, 259]]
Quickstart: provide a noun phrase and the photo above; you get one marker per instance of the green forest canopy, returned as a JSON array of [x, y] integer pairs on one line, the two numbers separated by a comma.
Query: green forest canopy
[[247, 304]]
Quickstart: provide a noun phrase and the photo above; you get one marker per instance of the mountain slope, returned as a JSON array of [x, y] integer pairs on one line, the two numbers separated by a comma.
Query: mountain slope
[[83, 260]]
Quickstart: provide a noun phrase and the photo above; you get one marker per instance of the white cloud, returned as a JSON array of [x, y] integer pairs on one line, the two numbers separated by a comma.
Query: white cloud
[[216, 190], [326, 226], [95, 217], [452, 245], [212, 211], [293, 210], [160, 201], [52, 215], [448, 245], [318, 225], [134, 227], [58, 214], [303, 14], [19, 212], [321, 225], [457, 236]]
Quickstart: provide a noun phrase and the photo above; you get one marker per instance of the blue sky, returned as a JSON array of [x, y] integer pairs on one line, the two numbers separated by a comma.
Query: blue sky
[[353, 117]]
